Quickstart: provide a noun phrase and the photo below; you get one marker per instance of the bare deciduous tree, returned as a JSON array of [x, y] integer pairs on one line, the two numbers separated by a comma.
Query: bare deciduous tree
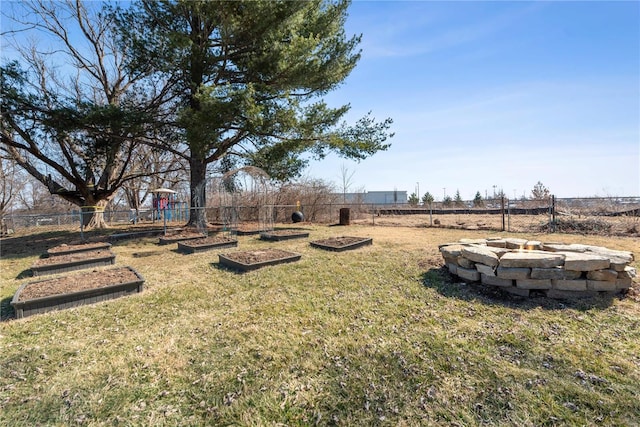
[[346, 180], [10, 184], [72, 115]]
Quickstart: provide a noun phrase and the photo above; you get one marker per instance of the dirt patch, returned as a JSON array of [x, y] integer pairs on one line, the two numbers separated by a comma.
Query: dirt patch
[[73, 257], [77, 282]]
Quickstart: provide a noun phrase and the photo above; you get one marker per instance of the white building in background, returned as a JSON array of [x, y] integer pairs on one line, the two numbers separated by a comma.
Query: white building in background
[[393, 197]]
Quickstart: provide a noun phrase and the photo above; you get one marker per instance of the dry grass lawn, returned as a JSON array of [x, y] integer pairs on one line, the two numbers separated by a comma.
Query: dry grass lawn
[[377, 336]]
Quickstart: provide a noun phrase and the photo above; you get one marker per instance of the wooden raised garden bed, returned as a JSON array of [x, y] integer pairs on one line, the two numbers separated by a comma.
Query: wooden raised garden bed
[[247, 231], [75, 290], [83, 247], [136, 234], [285, 234], [206, 244], [181, 237], [73, 261], [251, 260], [342, 243]]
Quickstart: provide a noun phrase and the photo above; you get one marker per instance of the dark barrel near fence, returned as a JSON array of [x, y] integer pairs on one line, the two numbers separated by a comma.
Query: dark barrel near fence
[[297, 216], [345, 216]]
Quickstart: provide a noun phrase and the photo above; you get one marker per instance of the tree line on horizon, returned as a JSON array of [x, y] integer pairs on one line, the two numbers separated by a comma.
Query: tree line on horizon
[[538, 192]]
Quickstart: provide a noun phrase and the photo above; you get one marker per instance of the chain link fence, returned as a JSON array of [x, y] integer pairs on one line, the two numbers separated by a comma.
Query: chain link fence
[[604, 216]]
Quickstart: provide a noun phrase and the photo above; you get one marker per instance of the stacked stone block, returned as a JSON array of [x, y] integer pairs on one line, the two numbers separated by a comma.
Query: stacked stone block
[[558, 270]]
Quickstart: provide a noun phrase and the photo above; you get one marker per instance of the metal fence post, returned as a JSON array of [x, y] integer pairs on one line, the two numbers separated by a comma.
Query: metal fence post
[[164, 218], [553, 213], [81, 224], [502, 207], [374, 211]]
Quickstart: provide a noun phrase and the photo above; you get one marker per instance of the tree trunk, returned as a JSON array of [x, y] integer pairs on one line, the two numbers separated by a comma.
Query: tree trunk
[[198, 177], [93, 216]]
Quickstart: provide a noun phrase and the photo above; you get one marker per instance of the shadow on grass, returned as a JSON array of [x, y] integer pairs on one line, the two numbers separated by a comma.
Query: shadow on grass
[[293, 227], [145, 254], [6, 310], [451, 286], [24, 274], [37, 243], [222, 267]]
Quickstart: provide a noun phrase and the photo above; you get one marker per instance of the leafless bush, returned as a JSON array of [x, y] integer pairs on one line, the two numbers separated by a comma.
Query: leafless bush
[[312, 195]]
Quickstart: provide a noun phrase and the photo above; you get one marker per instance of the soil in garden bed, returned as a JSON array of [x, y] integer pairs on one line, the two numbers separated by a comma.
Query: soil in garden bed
[[246, 232], [287, 232], [258, 256], [284, 234], [342, 243], [81, 247], [78, 282], [211, 240], [73, 257], [184, 234], [178, 237], [249, 228]]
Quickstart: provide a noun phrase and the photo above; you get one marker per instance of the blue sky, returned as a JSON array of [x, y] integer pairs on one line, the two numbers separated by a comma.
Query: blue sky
[[501, 93], [497, 93]]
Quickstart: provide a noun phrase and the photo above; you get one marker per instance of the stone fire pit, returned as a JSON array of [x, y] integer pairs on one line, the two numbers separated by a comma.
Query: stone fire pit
[[557, 270]]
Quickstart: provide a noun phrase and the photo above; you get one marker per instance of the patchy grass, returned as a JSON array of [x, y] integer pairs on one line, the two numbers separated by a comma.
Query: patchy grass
[[376, 336]]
